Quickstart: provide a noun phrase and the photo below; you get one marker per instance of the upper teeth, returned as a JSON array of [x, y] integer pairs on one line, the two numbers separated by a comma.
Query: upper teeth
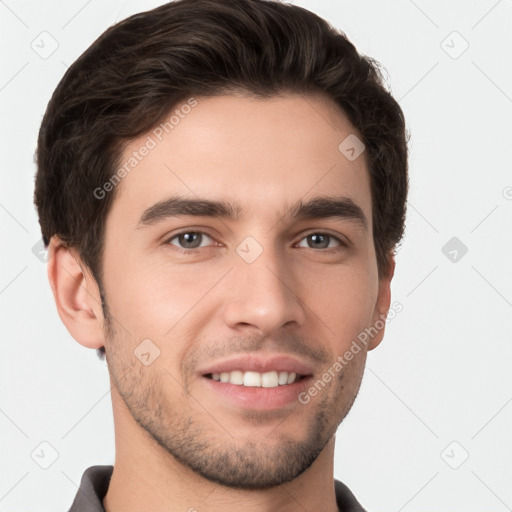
[[256, 379]]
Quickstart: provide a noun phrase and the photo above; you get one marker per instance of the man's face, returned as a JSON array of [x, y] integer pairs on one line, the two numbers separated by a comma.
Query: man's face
[[235, 298]]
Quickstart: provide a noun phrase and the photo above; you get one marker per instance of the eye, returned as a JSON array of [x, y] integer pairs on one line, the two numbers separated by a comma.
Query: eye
[[322, 241], [189, 239]]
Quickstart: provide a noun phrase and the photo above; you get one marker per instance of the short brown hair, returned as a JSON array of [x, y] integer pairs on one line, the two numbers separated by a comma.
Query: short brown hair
[[132, 76]]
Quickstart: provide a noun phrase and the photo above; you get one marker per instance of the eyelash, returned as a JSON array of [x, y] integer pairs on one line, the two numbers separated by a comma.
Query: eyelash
[[342, 244]]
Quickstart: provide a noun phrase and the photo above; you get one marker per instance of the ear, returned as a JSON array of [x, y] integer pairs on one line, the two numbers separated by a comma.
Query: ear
[[76, 295], [382, 304]]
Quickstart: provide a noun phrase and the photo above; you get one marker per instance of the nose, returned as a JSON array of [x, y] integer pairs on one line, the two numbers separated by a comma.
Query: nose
[[265, 294]]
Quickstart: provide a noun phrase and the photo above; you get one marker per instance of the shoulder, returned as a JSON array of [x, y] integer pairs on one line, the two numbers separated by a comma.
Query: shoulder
[[345, 499], [93, 488]]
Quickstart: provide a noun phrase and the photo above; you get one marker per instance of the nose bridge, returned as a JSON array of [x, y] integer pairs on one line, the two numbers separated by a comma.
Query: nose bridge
[[262, 288]]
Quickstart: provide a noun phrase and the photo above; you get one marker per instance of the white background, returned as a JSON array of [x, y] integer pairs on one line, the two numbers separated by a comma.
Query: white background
[[443, 371]]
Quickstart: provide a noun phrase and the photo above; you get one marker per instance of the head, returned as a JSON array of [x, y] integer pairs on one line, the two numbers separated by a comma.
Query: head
[[255, 120]]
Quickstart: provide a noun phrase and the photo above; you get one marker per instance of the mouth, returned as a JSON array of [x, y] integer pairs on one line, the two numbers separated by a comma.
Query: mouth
[[257, 381]]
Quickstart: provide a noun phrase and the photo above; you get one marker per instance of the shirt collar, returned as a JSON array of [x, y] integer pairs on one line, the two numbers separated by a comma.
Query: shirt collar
[[96, 479]]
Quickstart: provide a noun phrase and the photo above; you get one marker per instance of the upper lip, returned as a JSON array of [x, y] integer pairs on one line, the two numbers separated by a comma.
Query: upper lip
[[258, 363]]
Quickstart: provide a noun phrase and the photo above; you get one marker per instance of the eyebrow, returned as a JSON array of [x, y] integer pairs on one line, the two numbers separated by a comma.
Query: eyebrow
[[323, 207]]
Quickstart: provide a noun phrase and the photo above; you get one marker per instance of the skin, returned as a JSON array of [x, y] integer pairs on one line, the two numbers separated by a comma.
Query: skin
[[179, 446]]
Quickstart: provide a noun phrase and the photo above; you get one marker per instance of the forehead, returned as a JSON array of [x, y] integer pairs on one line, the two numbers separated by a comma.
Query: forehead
[[262, 155]]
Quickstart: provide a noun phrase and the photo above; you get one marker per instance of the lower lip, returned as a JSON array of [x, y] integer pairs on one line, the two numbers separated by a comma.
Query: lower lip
[[259, 398]]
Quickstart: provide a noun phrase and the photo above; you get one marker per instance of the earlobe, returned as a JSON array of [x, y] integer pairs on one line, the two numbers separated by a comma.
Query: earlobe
[[383, 303], [76, 295]]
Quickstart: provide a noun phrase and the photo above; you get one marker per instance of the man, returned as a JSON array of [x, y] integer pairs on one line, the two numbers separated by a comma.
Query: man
[[221, 185]]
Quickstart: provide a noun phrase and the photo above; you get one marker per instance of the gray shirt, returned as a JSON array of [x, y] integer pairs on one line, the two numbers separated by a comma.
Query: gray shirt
[[96, 479]]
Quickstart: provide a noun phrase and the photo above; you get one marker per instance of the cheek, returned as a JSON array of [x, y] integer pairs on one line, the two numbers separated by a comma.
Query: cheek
[[156, 301], [344, 302]]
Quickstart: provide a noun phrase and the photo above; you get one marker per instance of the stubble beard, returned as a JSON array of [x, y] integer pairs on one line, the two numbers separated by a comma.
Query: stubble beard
[[193, 442]]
